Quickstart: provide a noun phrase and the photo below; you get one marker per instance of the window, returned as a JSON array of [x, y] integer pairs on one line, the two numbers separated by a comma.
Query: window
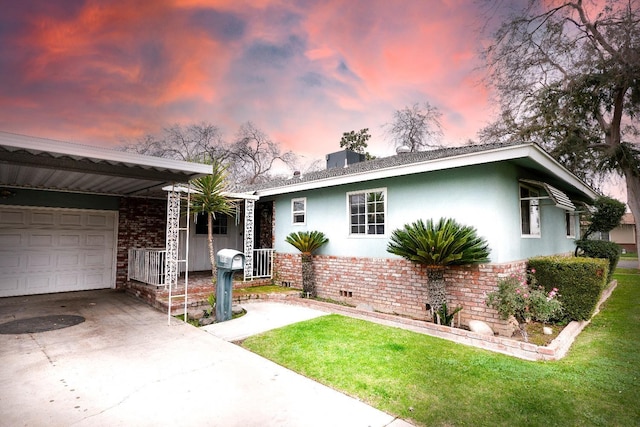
[[529, 211], [570, 220], [367, 212], [219, 224], [299, 211]]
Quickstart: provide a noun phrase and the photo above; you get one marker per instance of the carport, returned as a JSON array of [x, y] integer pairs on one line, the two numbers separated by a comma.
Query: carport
[[69, 212]]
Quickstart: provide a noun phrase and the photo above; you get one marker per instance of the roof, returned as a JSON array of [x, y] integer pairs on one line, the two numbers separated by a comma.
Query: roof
[[528, 155], [627, 219], [39, 163]]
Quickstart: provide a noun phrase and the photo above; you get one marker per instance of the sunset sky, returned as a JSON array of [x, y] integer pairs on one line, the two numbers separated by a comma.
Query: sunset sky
[[104, 72]]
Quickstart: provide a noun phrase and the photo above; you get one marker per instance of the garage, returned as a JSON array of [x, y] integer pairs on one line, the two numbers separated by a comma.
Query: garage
[[69, 213], [44, 250]]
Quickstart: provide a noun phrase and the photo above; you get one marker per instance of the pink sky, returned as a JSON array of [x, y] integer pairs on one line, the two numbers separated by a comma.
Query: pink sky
[[104, 72]]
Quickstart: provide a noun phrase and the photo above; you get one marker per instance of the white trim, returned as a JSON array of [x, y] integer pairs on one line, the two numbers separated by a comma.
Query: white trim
[[558, 197], [366, 235], [37, 145], [182, 188], [293, 211], [533, 201], [523, 151]]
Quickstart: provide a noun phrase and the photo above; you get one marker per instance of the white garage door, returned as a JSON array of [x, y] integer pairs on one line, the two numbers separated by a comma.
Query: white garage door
[[45, 250]]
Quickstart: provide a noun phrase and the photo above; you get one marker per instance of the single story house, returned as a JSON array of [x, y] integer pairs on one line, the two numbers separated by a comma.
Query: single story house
[[625, 233], [521, 200], [75, 217]]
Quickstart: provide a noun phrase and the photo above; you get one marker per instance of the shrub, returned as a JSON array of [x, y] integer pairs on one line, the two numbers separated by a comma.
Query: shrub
[[525, 300], [601, 249], [579, 280]]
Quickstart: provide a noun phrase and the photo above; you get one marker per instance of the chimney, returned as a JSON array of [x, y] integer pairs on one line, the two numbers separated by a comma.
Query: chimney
[[343, 159]]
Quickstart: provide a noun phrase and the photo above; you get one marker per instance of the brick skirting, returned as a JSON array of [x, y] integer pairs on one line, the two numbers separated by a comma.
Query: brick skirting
[[398, 286]]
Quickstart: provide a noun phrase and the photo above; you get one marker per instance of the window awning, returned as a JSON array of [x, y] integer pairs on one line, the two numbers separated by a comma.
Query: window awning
[[560, 199]]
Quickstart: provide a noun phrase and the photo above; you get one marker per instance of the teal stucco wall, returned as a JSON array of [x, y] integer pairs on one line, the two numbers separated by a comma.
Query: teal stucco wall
[[484, 196]]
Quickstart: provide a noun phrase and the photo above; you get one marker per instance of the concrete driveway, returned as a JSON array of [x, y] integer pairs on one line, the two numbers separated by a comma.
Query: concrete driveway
[[124, 366]]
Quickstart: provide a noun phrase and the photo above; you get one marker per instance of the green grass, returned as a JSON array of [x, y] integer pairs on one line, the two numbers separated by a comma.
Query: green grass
[[434, 382], [629, 256], [266, 289]]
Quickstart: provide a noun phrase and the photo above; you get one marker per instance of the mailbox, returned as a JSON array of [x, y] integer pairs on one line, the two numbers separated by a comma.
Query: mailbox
[[230, 260], [227, 261]]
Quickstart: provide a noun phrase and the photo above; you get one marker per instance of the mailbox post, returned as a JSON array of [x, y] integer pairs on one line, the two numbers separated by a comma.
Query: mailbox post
[[227, 261]]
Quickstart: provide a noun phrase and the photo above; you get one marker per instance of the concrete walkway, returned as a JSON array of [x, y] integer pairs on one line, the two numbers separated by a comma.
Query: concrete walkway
[[261, 317], [124, 366]]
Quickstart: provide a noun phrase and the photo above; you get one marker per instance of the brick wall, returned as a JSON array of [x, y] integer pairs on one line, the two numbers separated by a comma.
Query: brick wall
[[141, 224], [398, 286]]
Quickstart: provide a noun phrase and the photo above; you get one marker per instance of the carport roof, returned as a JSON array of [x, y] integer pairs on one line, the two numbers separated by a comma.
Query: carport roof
[[45, 164]]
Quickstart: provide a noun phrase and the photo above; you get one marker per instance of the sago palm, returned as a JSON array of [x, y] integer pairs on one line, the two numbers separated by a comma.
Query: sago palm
[[307, 242], [210, 199], [437, 245]]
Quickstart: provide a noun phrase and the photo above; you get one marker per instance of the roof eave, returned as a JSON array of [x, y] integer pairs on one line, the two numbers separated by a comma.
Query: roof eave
[[527, 150]]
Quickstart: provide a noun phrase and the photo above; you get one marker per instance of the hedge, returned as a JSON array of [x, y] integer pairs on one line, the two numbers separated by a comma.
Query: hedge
[[579, 280], [601, 249]]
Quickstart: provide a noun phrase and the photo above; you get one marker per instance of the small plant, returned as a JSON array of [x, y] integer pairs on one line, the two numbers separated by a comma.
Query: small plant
[[523, 299], [443, 317], [211, 299]]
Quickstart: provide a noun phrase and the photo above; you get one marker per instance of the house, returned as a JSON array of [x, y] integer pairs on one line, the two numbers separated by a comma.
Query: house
[[517, 196], [70, 214], [625, 233]]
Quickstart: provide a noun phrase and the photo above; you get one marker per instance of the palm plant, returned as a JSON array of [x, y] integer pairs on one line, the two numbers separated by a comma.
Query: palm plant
[[307, 242], [210, 198], [436, 246]]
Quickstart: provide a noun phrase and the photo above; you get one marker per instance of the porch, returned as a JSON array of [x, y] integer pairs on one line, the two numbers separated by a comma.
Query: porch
[[147, 279]]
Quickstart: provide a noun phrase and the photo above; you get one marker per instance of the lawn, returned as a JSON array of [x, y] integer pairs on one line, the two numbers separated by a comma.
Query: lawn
[[433, 382]]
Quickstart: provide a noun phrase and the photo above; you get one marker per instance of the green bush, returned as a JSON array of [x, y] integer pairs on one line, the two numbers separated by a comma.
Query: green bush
[[579, 281], [601, 249]]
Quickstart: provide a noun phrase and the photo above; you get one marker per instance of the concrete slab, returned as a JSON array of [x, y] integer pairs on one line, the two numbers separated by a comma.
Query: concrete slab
[[261, 317], [125, 366]]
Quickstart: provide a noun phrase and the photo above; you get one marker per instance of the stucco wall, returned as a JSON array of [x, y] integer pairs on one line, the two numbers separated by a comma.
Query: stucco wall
[[484, 196]]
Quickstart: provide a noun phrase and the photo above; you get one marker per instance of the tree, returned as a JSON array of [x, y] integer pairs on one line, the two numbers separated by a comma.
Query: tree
[[250, 159], [307, 242], [606, 216], [357, 141], [568, 77], [200, 143], [254, 155], [210, 199], [417, 127], [436, 246]]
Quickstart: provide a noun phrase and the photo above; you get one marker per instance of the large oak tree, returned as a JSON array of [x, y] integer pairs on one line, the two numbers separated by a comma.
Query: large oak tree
[[567, 74]]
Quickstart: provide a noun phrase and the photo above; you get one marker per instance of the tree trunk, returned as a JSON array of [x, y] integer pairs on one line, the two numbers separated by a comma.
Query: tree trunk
[[212, 255], [308, 279], [436, 287], [633, 200]]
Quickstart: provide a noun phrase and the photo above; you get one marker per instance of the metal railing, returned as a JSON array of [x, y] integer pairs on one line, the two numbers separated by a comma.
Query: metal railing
[[262, 263], [147, 265]]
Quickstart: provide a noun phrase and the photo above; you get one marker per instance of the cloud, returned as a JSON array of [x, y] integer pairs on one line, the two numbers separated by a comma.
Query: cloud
[[304, 72]]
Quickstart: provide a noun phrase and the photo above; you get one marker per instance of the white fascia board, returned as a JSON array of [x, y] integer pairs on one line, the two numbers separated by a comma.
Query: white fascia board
[[528, 150], [543, 158], [498, 154], [41, 145], [183, 188]]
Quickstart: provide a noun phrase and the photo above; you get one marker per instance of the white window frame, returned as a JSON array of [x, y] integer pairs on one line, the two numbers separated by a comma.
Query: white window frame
[[570, 224], [302, 212], [534, 214], [366, 224]]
